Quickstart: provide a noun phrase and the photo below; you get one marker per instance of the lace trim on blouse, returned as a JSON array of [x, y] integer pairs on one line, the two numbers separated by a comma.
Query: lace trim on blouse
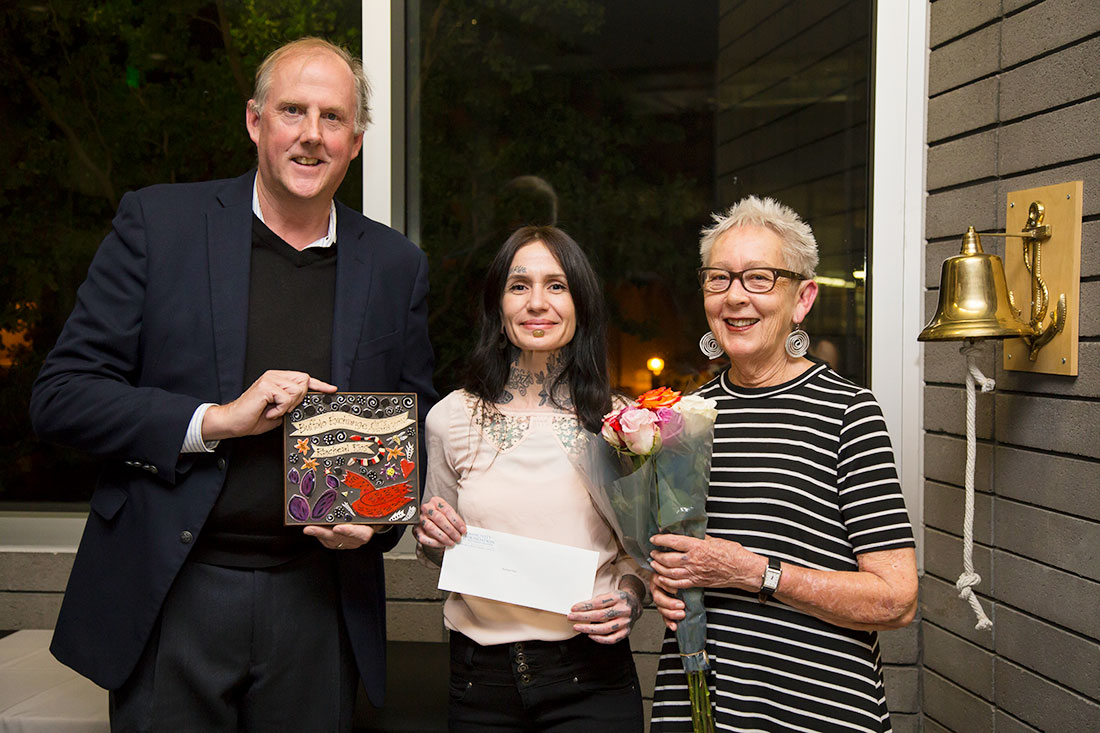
[[568, 430], [507, 431]]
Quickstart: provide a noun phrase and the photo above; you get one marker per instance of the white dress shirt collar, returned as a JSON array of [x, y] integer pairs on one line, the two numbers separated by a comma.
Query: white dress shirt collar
[[326, 241]]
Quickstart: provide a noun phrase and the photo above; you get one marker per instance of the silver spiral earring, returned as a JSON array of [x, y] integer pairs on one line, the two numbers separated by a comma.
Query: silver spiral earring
[[798, 342], [709, 346]]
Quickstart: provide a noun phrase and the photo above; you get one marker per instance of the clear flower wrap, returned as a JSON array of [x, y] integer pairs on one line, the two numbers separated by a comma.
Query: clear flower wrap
[[663, 490]]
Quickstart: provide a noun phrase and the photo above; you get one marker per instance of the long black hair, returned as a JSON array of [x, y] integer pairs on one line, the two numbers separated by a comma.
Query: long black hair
[[583, 360]]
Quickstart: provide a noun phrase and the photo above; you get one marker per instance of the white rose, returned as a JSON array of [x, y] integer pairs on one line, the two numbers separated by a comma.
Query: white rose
[[696, 405]]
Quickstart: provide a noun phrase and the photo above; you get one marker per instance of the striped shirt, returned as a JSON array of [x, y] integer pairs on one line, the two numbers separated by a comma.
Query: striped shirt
[[802, 472]]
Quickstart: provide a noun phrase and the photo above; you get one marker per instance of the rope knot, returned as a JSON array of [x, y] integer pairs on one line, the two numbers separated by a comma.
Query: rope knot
[[965, 582], [970, 347]]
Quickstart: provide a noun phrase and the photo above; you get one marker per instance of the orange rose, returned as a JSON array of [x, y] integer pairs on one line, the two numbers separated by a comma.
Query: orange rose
[[659, 397]]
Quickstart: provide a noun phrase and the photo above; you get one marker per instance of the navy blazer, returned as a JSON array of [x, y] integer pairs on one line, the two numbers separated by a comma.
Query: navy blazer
[[159, 328]]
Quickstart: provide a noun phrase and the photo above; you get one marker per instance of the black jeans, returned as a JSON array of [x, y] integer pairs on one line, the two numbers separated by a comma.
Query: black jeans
[[573, 685]]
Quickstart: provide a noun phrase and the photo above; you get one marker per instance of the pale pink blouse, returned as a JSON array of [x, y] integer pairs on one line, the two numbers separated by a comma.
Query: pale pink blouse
[[516, 474]]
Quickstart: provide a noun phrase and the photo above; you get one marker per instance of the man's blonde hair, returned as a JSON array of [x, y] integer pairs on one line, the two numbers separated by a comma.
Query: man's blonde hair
[[314, 45]]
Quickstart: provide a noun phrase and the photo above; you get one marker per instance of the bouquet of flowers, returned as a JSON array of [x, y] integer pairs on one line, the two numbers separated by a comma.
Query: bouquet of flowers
[[667, 439]]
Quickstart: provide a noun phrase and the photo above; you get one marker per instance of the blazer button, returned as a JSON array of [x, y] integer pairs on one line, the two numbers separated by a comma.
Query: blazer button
[[186, 537], [221, 464]]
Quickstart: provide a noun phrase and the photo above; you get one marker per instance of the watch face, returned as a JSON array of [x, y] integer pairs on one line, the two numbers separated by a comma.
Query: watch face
[[771, 579]]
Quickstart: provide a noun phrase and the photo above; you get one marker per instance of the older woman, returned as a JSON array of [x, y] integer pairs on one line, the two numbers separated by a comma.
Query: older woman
[[502, 455], [809, 550]]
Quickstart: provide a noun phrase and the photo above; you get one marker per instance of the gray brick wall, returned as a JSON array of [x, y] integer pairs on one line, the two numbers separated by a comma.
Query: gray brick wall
[[1014, 102]]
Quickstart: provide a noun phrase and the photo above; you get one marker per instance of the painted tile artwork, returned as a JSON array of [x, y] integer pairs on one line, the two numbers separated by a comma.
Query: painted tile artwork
[[351, 458]]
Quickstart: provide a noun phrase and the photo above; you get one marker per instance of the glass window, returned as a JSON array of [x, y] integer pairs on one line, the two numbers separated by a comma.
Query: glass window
[[627, 123], [792, 119], [103, 97]]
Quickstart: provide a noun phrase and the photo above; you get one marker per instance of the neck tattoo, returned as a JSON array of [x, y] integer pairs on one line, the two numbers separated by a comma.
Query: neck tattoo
[[521, 380]]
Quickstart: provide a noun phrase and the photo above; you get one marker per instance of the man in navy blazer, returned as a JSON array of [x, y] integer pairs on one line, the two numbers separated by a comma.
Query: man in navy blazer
[[208, 312]]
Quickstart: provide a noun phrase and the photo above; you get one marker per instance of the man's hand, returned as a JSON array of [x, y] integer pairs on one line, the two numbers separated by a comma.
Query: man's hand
[[262, 405], [342, 536]]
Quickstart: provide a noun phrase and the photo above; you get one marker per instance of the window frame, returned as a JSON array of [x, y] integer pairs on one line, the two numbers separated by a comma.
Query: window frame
[[900, 82]]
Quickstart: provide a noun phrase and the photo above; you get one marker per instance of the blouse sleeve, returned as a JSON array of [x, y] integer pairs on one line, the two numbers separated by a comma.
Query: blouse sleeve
[[870, 497], [442, 470], [443, 474]]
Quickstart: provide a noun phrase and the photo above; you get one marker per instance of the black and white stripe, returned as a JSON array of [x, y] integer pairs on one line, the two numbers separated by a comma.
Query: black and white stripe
[[803, 472]]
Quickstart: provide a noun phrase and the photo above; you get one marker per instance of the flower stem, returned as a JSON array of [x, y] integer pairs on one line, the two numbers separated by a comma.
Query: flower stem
[[702, 719]]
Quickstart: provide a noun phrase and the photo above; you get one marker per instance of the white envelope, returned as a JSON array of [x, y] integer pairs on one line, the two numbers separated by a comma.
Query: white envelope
[[513, 569]]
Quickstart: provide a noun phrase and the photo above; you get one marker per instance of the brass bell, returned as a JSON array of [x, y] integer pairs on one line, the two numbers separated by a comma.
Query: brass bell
[[974, 300]]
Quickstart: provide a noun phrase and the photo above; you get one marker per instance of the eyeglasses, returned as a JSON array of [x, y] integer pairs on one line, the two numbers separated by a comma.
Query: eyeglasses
[[754, 280]]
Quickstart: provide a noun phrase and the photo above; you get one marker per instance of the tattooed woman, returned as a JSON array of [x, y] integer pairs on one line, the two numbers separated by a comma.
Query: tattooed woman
[[501, 456]]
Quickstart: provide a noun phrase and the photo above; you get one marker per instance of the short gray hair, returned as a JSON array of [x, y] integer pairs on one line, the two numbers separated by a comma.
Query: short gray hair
[[799, 245], [316, 45]]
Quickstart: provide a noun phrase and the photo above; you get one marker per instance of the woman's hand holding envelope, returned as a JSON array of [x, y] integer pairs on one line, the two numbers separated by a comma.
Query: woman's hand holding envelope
[[608, 617], [440, 527]]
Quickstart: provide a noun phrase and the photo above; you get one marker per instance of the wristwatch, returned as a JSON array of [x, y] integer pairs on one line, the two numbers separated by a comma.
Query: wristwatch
[[770, 581]]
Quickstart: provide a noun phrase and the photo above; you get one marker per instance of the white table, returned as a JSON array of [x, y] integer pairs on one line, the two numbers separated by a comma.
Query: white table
[[38, 694]]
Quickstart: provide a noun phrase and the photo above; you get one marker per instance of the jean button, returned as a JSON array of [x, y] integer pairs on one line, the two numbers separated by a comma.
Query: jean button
[[521, 658], [519, 646], [526, 679], [523, 668]]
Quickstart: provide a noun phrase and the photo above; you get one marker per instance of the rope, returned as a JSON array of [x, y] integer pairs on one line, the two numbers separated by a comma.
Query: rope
[[969, 578]]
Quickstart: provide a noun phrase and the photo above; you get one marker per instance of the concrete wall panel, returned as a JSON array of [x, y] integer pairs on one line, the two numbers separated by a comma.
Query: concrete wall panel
[[971, 57], [967, 108], [1061, 483], [1062, 425], [1053, 538], [956, 659], [954, 707], [1042, 703], [1067, 658], [1048, 593], [950, 19], [1063, 78], [1045, 27]]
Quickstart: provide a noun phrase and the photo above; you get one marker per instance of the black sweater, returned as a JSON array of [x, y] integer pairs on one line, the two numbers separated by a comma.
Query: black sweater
[[290, 308]]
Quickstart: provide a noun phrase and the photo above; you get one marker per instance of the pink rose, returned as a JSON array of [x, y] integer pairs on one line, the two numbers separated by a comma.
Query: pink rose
[[671, 423], [640, 431]]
